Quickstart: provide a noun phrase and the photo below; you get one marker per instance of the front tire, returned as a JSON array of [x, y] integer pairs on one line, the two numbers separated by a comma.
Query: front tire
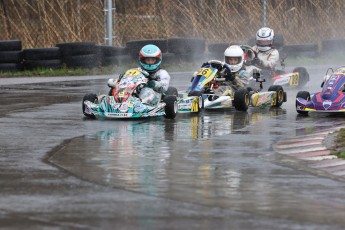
[[172, 91], [241, 99], [170, 107], [280, 94], [306, 96], [89, 97]]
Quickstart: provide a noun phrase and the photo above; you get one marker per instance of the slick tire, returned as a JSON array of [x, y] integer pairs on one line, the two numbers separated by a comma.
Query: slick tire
[[306, 96], [279, 94], [92, 98], [170, 107], [303, 76], [241, 99]]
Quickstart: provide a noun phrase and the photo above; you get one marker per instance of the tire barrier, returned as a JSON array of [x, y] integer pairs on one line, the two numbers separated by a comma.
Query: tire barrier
[[305, 50], [11, 55], [216, 50], [332, 45], [187, 49], [112, 55], [175, 51], [80, 54], [42, 58]]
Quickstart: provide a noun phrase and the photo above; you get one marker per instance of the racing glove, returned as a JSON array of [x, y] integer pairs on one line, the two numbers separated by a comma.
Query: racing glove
[[229, 76], [258, 62], [155, 85]]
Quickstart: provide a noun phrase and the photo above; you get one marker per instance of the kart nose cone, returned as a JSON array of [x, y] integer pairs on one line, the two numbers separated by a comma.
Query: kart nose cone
[[326, 104]]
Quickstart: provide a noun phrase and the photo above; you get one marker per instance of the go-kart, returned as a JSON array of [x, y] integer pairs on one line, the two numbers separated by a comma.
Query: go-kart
[[330, 99], [298, 78], [124, 101], [202, 93]]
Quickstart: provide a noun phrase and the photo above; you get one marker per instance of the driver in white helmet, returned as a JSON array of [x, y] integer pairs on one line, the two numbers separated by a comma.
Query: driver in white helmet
[[267, 57], [235, 73]]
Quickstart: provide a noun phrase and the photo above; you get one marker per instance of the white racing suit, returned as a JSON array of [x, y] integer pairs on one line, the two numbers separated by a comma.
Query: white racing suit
[[151, 95], [241, 80], [269, 60]]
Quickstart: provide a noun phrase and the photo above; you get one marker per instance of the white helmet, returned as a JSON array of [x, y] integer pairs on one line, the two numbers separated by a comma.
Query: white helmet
[[233, 56], [264, 38]]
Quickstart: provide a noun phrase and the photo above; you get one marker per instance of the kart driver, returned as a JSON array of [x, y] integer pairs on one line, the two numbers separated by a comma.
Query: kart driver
[[150, 59], [267, 57], [234, 71]]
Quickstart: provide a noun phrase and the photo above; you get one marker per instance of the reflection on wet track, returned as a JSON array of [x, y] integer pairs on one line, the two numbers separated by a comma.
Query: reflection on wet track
[[201, 153]]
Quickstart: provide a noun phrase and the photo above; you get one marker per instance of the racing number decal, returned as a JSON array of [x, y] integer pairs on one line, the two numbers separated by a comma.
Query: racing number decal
[[206, 72], [195, 105], [132, 72], [294, 79]]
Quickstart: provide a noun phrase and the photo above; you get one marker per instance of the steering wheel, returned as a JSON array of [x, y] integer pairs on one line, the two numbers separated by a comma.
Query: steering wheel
[[216, 64], [250, 54]]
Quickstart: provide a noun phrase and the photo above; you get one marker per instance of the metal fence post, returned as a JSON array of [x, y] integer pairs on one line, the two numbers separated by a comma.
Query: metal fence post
[[109, 23], [263, 13]]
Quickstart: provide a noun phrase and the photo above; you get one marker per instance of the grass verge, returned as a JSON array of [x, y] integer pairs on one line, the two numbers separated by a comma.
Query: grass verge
[[339, 144]]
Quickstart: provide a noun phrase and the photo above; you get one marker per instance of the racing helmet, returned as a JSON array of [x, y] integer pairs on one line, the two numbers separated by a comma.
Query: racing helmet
[[150, 58], [234, 57], [264, 39]]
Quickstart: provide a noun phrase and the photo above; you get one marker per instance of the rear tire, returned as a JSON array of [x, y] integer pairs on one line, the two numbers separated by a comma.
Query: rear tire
[[241, 99], [306, 96], [303, 76], [170, 107], [279, 94], [89, 97]]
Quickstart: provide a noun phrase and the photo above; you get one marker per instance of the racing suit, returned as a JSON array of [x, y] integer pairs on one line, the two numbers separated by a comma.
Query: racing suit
[[158, 83], [233, 80], [265, 60]]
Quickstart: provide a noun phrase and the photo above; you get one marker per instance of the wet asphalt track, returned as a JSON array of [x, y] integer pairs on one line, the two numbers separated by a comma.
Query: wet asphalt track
[[212, 171]]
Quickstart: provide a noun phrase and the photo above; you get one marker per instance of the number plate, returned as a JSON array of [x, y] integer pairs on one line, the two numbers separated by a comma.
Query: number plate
[[294, 79], [206, 72]]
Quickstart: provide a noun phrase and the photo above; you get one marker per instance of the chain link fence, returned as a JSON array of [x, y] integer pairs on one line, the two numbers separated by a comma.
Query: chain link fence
[[44, 23]]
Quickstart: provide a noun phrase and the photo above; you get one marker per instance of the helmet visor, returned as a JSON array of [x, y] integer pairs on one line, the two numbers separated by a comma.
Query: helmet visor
[[233, 60], [149, 60], [264, 42]]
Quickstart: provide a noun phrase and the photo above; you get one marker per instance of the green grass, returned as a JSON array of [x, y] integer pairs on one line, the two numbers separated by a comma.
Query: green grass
[[339, 144]]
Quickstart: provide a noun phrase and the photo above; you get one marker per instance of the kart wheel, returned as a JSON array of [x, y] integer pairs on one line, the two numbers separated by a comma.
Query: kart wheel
[[303, 76], [280, 94], [172, 91], [170, 107], [92, 98], [241, 99], [306, 96]]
